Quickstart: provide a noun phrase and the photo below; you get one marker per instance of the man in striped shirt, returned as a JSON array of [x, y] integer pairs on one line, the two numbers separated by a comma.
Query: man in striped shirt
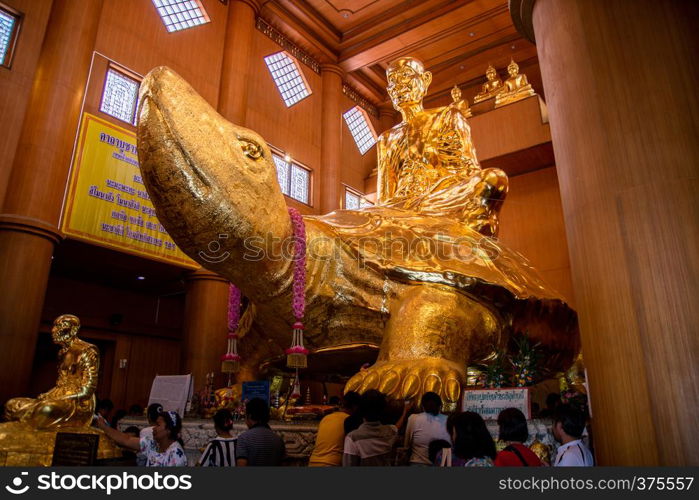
[[259, 445]]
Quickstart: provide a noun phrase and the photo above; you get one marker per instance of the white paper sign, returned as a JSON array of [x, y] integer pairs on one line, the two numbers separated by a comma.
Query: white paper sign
[[172, 392], [488, 403]]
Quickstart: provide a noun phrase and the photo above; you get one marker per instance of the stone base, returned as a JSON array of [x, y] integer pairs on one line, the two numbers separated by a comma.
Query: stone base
[[24, 446]]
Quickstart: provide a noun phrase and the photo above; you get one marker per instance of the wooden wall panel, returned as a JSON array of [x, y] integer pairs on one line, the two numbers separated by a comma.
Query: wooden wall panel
[[295, 130], [532, 223], [16, 82], [149, 357], [96, 305], [132, 34], [510, 128]]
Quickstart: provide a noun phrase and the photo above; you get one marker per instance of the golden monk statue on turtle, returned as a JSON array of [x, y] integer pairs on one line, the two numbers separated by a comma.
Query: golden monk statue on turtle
[[420, 276]]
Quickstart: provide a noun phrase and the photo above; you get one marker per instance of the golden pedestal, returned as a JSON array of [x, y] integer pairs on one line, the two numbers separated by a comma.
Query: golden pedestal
[[23, 446]]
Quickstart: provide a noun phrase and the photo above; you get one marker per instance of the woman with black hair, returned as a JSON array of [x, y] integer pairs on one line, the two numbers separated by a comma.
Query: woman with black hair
[[514, 432], [164, 450], [473, 444], [425, 427], [220, 452]]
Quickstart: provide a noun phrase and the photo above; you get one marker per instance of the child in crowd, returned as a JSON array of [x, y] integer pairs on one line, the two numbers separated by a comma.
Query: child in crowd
[[220, 452]]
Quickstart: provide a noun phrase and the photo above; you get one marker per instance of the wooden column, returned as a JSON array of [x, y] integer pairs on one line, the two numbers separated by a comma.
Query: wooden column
[[331, 138], [29, 219], [205, 326], [235, 74], [205, 322], [623, 108]]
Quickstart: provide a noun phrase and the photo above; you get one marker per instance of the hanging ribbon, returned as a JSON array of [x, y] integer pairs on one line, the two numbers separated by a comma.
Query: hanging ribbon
[[296, 355]]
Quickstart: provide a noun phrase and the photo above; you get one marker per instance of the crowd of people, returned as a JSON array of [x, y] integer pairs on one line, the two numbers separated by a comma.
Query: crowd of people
[[366, 430]]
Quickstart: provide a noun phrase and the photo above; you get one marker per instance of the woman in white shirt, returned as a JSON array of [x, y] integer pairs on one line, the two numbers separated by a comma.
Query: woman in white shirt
[[163, 450], [425, 427]]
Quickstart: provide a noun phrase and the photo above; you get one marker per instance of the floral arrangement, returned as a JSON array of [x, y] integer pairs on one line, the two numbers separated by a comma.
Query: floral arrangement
[[297, 353], [493, 374], [230, 362], [525, 362]]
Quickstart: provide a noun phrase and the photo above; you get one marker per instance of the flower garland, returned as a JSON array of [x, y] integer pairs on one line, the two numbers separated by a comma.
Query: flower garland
[[230, 362], [297, 353]]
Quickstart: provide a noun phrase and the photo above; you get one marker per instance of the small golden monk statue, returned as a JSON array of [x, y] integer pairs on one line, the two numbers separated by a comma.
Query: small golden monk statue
[[516, 87], [491, 88], [71, 403]]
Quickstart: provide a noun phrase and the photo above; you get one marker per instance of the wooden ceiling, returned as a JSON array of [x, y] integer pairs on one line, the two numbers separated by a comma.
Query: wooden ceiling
[[456, 39]]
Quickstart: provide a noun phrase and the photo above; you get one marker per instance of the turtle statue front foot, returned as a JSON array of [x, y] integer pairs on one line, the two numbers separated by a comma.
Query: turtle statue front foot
[[409, 379]]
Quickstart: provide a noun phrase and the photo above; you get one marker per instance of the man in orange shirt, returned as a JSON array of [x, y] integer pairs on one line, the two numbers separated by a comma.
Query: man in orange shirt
[[331, 434]]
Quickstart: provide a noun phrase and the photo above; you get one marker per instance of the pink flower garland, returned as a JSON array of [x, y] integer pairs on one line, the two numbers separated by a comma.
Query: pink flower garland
[[234, 297], [230, 362], [296, 354], [299, 287]]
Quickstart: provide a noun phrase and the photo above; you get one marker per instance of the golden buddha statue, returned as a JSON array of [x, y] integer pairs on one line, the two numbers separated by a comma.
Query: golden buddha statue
[[490, 88], [71, 403], [516, 87], [460, 103]]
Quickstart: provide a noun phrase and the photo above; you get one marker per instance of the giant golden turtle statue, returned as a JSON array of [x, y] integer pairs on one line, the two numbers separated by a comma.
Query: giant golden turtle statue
[[421, 274]]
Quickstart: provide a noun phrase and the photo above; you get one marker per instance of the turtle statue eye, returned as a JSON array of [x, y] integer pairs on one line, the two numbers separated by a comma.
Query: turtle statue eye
[[250, 148]]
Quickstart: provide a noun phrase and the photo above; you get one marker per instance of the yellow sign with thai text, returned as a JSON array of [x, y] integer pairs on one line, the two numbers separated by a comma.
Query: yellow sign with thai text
[[107, 203]]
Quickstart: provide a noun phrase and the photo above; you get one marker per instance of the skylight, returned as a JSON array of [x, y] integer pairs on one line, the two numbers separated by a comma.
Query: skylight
[[288, 77], [361, 128], [181, 14], [9, 23], [120, 96]]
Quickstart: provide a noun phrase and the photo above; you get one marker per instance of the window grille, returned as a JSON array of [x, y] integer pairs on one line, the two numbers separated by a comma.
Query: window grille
[[361, 128], [120, 96], [288, 78], [181, 14]]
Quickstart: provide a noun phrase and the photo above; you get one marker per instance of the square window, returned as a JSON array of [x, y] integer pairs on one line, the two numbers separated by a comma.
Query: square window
[[288, 77], [361, 128], [300, 183], [355, 200], [120, 96], [294, 180], [351, 200], [282, 173], [181, 14]]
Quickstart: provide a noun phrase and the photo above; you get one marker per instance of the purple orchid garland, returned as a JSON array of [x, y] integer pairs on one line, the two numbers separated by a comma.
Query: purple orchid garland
[[296, 354]]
